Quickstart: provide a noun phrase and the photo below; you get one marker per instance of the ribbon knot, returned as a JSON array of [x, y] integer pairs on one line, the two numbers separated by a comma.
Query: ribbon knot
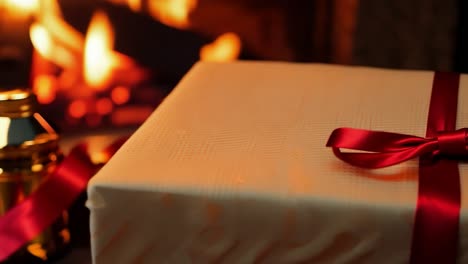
[[437, 216], [453, 143]]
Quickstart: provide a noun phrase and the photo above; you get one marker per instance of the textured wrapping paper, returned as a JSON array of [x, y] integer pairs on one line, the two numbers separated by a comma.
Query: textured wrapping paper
[[233, 168]]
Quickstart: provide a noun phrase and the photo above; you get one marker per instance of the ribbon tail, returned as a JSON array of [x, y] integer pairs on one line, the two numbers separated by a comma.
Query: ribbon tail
[[40, 209], [436, 226]]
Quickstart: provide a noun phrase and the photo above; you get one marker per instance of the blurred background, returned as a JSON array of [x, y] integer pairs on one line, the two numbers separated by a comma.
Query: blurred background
[[98, 64], [102, 66]]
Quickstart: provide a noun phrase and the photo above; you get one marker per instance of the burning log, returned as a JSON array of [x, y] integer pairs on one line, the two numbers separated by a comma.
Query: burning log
[[86, 73]]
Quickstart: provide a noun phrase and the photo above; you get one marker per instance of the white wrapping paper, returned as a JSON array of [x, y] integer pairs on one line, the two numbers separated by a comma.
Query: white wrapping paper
[[233, 168]]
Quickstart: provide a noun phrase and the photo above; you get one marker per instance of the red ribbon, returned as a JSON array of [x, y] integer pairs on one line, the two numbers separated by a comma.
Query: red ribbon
[[435, 231], [39, 210]]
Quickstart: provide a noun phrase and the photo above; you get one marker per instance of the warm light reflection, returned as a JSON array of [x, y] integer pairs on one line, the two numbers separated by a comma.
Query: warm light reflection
[[173, 13], [4, 125], [45, 88], [120, 95], [37, 250], [98, 57], [226, 47]]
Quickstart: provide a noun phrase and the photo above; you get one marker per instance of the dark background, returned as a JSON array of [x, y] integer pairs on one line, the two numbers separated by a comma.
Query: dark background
[[418, 34]]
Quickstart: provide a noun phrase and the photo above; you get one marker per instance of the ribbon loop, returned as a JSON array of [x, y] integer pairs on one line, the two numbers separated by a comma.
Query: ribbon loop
[[453, 143], [436, 224]]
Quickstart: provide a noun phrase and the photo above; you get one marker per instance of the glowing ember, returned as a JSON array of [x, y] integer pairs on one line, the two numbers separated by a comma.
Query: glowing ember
[[77, 109], [45, 87], [98, 58], [104, 106], [173, 13], [226, 47], [120, 95]]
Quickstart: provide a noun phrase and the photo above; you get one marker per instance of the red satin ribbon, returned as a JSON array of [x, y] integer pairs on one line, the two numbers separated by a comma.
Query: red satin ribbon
[[39, 210], [435, 231]]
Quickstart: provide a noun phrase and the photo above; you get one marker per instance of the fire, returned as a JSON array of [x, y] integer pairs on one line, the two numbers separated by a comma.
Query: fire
[[65, 61], [97, 80], [98, 56], [47, 48], [173, 13], [45, 87], [120, 95], [134, 5], [226, 47], [41, 40], [24, 6]]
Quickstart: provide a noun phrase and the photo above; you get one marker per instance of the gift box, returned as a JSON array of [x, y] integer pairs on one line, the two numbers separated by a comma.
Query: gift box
[[232, 168]]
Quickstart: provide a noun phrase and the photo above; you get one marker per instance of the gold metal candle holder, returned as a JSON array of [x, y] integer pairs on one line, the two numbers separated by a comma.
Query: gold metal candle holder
[[29, 152]]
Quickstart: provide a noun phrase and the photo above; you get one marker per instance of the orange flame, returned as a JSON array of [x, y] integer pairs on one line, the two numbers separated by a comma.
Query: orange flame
[[98, 58], [41, 40], [226, 47], [45, 87], [134, 5], [23, 7], [173, 13], [47, 48], [51, 18]]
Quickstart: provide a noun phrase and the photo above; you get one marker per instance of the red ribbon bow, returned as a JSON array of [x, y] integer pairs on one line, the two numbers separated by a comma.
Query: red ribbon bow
[[435, 231], [391, 148]]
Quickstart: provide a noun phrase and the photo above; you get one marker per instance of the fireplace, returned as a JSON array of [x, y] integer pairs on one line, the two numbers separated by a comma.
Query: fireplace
[[105, 64]]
